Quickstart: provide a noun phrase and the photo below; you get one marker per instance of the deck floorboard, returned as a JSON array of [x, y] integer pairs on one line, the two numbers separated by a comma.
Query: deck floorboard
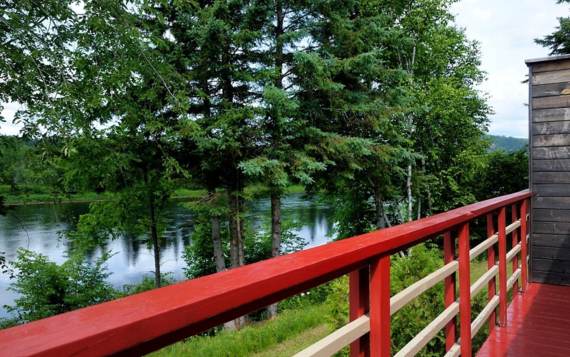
[[538, 324]]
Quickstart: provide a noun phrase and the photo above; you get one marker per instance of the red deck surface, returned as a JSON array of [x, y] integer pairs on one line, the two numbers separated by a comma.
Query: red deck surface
[[538, 324]]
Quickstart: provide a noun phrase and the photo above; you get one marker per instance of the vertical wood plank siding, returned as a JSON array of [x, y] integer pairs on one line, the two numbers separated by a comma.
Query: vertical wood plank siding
[[549, 96]]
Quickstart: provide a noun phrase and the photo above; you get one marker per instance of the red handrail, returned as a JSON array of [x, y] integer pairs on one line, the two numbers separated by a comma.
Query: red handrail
[[147, 321]]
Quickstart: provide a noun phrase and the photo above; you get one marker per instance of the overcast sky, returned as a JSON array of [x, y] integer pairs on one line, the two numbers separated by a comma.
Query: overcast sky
[[505, 30]]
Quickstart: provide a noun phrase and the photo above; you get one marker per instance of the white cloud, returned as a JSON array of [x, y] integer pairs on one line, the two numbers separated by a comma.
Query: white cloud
[[506, 30]]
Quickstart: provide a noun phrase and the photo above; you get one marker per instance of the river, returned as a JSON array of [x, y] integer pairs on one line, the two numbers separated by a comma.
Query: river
[[40, 228]]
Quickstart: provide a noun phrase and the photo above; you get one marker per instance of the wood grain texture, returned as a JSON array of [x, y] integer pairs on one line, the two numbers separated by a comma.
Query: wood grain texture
[[551, 177], [548, 265], [537, 324], [552, 190], [551, 165], [551, 227], [539, 252], [551, 140], [548, 90], [558, 152], [561, 101], [551, 77], [551, 66], [554, 278], [551, 240], [556, 127], [551, 215], [559, 114], [552, 202]]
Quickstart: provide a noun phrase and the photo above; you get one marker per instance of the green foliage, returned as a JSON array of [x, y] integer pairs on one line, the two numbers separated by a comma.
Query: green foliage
[[146, 284], [491, 184], [46, 288], [559, 41], [410, 320], [199, 256]]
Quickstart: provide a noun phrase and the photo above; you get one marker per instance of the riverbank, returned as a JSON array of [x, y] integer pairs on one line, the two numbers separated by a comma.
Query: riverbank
[[37, 197]]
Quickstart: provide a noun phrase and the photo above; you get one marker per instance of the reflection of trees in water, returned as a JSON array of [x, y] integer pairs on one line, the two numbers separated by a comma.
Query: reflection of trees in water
[[299, 211], [308, 216]]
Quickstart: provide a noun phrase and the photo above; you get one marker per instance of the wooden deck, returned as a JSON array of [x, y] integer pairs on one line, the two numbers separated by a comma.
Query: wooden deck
[[538, 325]]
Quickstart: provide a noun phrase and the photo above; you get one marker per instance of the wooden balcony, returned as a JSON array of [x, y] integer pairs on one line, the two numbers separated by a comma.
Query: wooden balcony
[[534, 323], [537, 325]]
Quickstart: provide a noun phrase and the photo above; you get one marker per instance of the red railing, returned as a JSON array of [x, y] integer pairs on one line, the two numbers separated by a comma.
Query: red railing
[[145, 322]]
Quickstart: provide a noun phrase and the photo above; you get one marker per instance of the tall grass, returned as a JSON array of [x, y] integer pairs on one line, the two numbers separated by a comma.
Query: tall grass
[[251, 339]]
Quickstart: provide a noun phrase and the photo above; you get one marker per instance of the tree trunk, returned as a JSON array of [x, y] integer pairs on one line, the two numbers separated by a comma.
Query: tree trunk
[[275, 196], [409, 189], [379, 208], [155, 240], [275, 224], [217, 244], [235, 230], [275, 237]]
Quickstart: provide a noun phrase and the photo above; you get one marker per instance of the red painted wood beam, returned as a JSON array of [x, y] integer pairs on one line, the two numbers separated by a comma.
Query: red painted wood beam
[[514, 242], [145, 322], [380, 307], [449, 288], [464, 291], [491, 287], [359, 304], [502, 268], [524, 246]]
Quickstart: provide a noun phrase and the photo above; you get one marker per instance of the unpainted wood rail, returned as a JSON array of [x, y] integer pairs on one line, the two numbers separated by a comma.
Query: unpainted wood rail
[[147, 321]]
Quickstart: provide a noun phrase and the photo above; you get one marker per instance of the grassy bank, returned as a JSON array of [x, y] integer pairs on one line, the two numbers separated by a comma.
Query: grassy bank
[[41, 195], [290, 332]]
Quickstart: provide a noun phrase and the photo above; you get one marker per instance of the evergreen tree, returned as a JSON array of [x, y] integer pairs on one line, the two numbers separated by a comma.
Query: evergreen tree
[[559, 41]]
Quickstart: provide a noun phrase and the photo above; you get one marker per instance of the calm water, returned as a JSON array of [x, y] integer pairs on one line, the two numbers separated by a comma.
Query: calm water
[[39, 228]]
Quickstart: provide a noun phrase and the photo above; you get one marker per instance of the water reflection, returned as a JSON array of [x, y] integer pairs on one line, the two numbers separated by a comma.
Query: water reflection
[[40, 229]]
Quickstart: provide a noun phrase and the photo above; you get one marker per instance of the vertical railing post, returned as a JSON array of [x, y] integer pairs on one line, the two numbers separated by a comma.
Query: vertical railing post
[[449, 286], [358, 281], [515, 241], [380, 307], [502, 268], [491, 290], [464, 291], [524, 246]]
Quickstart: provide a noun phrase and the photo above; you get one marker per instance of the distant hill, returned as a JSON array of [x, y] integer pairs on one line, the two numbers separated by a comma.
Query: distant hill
[[507, 143]]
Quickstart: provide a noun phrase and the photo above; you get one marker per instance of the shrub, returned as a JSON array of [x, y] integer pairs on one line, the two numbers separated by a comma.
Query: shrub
[[46, 288], [147, 283], [410, 320]]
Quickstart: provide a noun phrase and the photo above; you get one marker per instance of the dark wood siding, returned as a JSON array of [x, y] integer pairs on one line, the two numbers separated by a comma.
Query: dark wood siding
[[550, 171]]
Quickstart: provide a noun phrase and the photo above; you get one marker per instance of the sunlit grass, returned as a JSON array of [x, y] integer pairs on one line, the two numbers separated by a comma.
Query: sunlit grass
[[289, 332]]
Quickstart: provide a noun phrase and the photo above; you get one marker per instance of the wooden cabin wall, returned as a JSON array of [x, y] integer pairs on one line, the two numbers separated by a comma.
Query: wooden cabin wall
[[549, 147]]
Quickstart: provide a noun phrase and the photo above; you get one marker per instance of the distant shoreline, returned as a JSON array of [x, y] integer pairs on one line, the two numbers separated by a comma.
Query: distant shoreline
[[183, 195]]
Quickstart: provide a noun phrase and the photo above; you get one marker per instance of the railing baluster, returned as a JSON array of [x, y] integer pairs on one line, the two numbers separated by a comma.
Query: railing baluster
[[449, 284], [502, 268], [380, 307], [464, 291], [358, 298], [515, 241], [524, 247], [491, 291]]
